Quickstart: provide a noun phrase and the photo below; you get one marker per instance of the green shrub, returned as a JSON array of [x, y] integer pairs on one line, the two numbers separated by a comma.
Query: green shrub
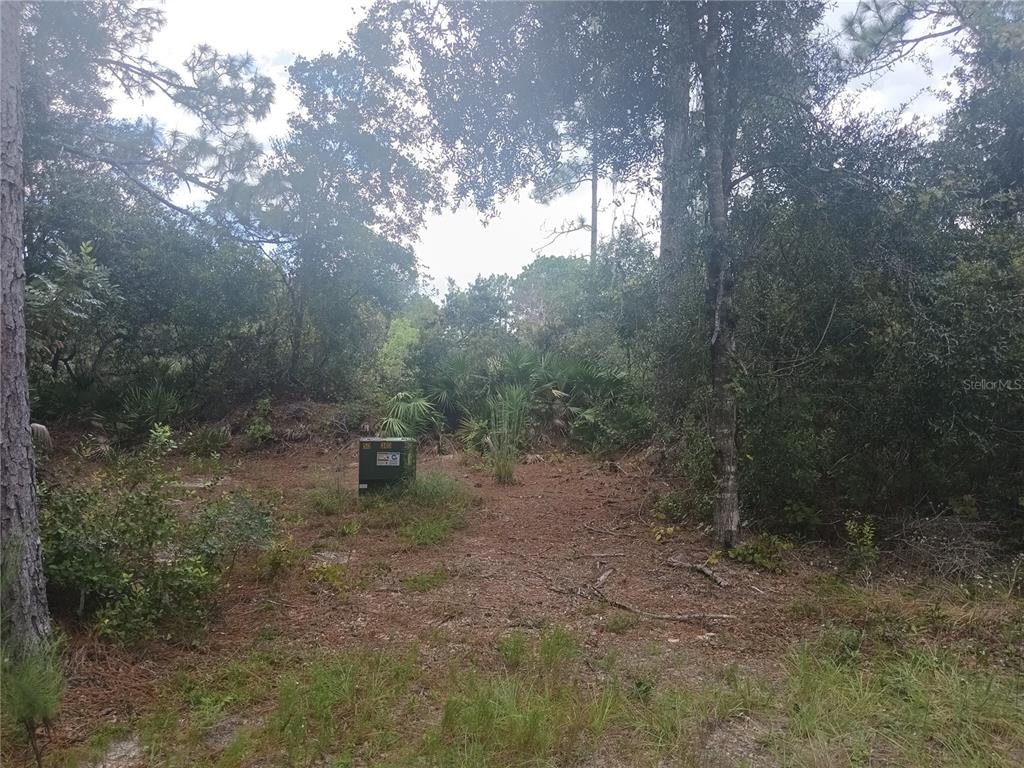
[[424, 582], [121, 551], [144, 407], [861, 549], [508, 430], [764, 551], [258, 431], [279, 559], [410, 415], [207, 442]]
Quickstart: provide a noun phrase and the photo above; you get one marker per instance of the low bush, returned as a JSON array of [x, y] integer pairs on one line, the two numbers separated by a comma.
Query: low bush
[[124, 556], [764, 551], [207, 442], [258, 431]]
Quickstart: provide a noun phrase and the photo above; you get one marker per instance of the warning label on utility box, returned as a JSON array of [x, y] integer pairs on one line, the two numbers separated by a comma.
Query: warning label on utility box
[[388, 458]]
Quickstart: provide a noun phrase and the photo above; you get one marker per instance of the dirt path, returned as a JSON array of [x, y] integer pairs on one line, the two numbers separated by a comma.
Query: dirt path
[[517, 564]]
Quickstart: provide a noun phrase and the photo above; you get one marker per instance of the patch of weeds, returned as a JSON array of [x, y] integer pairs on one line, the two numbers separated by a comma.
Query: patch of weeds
[[258, 431], [514, 649], [861, 554], [425, 511], [341, 705], [674, 719], [89, 753], [508, 720], [332, 499], [621, 622], [432, 529], [557, 647], [350, 527], [207, 442], [919, 708], [333, 575], [988, 624], [765, 551], [424, 582], [280, 559]]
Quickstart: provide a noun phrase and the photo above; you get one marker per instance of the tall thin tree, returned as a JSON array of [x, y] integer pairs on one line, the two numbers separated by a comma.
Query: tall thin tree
[[24, 601]]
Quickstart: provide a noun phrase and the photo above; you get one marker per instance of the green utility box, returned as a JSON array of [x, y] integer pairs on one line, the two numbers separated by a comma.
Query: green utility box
[[385, 462]]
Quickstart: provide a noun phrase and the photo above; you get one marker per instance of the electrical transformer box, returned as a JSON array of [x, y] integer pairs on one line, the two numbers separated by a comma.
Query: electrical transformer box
[[385, 462]]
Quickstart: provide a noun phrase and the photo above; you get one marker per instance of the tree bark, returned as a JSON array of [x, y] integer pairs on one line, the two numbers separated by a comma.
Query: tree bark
[[593, 205], [721, 283], [26, 614], [675, 197]]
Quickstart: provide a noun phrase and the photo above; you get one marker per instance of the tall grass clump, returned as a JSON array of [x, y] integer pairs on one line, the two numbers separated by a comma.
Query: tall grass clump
[[509, 410]]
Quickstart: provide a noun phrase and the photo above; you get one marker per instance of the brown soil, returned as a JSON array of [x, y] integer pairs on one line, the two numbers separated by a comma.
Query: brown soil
[[518, 563]]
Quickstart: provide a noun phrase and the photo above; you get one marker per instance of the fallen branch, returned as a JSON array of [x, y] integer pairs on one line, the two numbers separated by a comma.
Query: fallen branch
[[702, 568], [606, 532], [599, 555], [695, 617], [600, 582]]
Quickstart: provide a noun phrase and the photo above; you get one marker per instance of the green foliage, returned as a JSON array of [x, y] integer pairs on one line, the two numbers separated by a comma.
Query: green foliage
[[424, 582], [924, 708], [621, 622], [861, 548], [334, 575], [335, 704], [279, 559], [31, 676], [431, 529], [508, 411], [332, 499], [32, 688], [425, 511], [120, 552], [766, 551], [409, 415], [145, 407], [207, 442], [258, 430]]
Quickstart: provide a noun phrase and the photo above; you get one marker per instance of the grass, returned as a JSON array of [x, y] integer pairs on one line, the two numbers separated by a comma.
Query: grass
[[425, 511], [621, 622], [431, 529], [916, 708], [334, 576], [424, 582], [840, 700], [331, 499]]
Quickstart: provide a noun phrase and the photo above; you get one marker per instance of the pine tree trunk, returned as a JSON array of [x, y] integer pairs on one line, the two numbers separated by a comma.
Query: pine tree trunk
[[593, 206], [24, 598], [675, 197], [720, 289]]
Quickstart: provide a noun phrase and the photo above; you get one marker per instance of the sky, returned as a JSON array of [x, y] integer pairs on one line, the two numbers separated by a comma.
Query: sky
[[453, 244]]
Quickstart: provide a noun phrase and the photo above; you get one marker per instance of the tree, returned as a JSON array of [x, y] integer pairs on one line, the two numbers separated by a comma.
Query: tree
[[516, 90], [24, 604]]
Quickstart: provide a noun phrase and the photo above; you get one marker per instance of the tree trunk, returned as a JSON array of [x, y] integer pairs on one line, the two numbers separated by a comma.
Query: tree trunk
[[24, 599], [719, 298], [593, 206], [675, 197]]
